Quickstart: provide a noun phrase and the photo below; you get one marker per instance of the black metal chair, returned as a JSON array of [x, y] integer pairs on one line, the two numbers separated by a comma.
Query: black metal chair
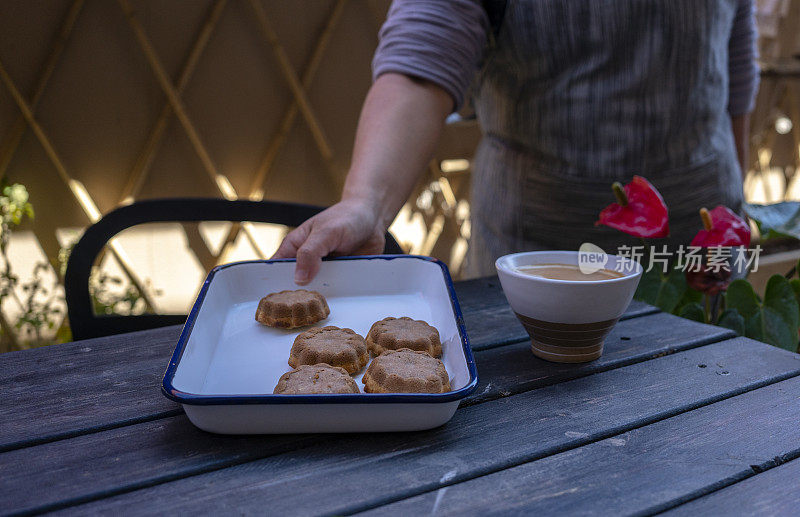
[[86, 324]]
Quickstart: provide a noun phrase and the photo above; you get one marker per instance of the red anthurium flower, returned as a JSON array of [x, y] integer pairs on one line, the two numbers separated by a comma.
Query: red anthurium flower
[[722, 228], [640, 210]]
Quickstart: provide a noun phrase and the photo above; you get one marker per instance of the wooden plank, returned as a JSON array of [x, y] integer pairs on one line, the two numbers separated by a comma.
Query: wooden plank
[[490, 320], [355, 472], [134, 456], [514, 369], [504, 371], [773, 492], [108, 382], [64, 390], [643, 471]]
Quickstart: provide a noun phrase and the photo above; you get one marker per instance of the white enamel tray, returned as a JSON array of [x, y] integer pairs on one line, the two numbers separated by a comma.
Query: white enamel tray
[[226, 364]]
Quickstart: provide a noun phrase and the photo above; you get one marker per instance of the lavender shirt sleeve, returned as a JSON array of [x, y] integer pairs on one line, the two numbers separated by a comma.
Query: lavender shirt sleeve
[[743, 73], [441, 42]]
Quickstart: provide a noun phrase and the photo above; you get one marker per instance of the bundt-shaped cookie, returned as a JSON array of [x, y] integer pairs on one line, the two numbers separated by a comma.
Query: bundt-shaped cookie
[[292, 309], [397, 333], [332, 345], [314, 379], [406, 371]]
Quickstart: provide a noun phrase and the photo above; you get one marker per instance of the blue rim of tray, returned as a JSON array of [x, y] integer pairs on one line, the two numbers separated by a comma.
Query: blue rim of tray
[[348, 398]]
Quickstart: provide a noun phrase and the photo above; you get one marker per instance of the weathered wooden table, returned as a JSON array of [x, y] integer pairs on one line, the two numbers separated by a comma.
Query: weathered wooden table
[[675, 416]]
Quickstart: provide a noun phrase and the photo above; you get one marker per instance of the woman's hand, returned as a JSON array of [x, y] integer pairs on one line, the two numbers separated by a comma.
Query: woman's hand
[[399, 127], [350, 227]]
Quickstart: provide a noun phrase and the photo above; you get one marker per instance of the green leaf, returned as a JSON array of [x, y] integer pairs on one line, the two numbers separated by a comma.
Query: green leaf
[[777, 220], [689, 296], [779, 297], [731, 319], [767, 326], [648, 288], [693, 311], [795, 283], [740, 296], [776, 319], [663, 291]]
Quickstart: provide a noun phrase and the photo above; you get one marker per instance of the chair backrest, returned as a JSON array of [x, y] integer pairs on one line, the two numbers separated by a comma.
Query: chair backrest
[[86, 324]]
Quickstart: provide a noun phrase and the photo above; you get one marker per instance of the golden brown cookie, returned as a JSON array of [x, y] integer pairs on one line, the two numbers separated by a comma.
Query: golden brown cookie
[[332, 345], [406, 371], [292, 309], [397, 333], [313, 379]]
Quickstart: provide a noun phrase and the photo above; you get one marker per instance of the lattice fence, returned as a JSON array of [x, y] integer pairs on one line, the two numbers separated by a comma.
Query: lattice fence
[[107, 102]]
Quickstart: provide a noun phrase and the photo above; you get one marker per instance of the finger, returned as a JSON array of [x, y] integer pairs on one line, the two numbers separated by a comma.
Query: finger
[[292, 242], [309, 256]]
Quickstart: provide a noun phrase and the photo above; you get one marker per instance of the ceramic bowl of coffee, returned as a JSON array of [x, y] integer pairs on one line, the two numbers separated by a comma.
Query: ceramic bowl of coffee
[[567, 307]]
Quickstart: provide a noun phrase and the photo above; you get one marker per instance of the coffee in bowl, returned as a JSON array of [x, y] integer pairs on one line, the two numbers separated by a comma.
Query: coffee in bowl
[[568, 272], [568, 312]]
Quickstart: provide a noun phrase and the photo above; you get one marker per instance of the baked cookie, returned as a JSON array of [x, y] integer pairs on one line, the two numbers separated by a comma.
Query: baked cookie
[[406, 371], [313, 379], [397, 333], [332, 345], [292, 309]]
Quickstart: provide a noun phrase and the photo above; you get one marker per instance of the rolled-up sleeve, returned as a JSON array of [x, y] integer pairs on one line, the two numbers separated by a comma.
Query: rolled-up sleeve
[[743, 69], [442, 42]]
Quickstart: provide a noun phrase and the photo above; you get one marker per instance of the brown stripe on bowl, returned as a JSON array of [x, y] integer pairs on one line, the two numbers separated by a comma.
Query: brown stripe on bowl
[[567, 342]]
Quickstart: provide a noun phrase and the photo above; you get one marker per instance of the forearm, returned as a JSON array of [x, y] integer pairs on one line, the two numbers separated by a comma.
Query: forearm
[[398, 130], [741, 131]]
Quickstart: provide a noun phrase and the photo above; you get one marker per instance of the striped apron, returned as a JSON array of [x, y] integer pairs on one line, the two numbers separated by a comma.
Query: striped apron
[[577, 94]]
